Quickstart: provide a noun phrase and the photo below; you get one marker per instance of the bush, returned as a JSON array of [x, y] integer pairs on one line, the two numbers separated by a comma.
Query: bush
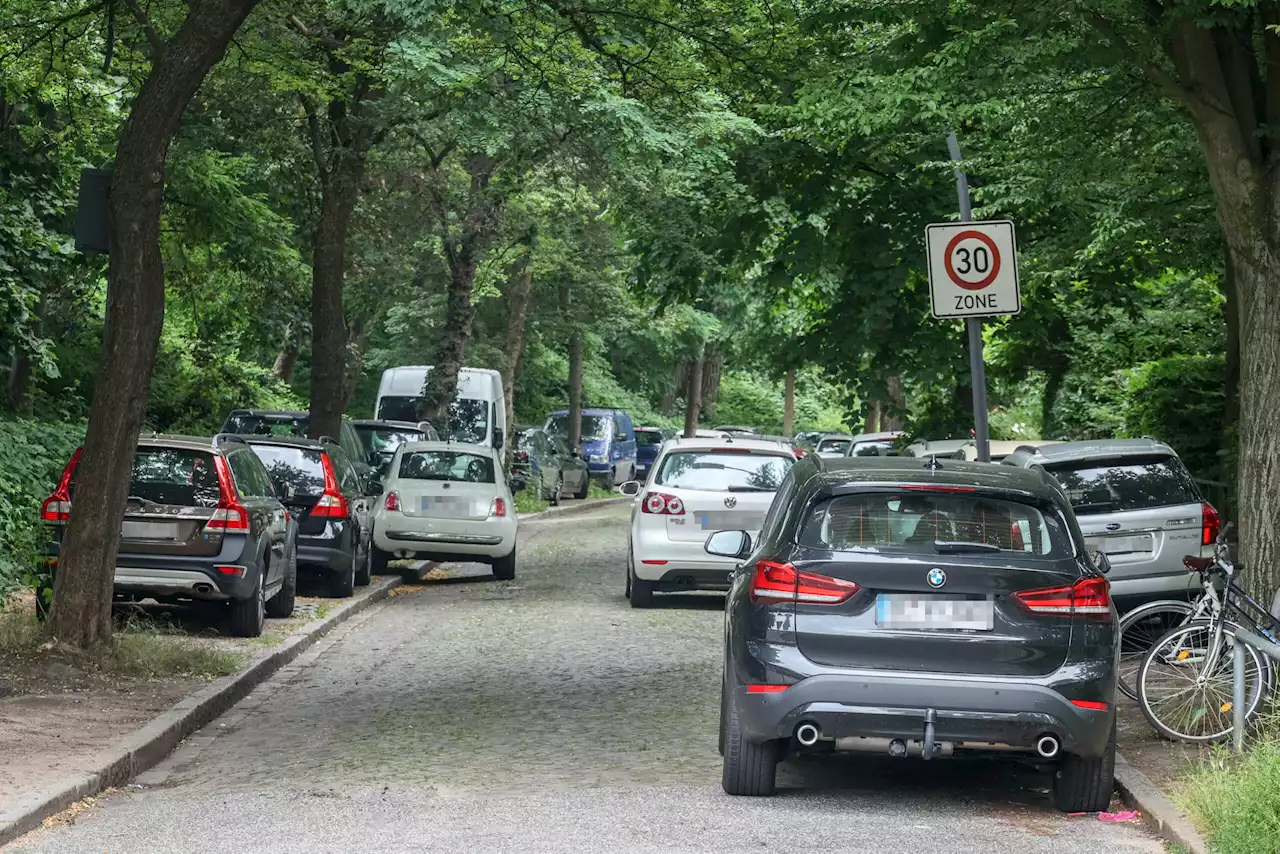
[[35, 455], [1180, 400], [1236, 801]]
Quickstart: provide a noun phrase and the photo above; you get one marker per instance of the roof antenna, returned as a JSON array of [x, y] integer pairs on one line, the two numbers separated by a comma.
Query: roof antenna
[[933, 464]]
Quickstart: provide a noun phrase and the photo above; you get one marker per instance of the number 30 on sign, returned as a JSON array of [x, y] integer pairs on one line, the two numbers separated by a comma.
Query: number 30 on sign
[[973, 269]]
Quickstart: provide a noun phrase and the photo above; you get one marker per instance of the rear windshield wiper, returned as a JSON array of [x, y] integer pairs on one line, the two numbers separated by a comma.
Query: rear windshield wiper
[[750, 489], [948, 547], [1097, 505], [145, 502]]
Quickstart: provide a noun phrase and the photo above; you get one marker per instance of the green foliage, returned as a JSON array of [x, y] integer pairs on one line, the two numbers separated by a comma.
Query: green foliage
[[35, 455], [747, 398], [1236, 800], [1180, 400]]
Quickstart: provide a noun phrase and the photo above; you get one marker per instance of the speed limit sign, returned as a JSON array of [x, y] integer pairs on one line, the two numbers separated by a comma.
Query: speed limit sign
[[973, 269]]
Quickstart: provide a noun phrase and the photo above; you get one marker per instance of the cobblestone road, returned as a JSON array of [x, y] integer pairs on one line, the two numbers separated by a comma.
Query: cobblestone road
[[538, 715]]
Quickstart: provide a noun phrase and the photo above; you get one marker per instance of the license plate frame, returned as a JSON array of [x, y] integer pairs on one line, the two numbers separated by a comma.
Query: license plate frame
[[1124, 544], [918, 612], [130, 530], [727, 520]]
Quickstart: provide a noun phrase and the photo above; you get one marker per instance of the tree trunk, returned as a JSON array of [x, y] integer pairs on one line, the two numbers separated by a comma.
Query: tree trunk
[[339, 190], [893, 412], [1231, 406], [287, 357], [519, 283], [872, 422], [789, 404], [693, 403], [19, 381], [359, 343], [712, 366], [85, 576], [575, 390]]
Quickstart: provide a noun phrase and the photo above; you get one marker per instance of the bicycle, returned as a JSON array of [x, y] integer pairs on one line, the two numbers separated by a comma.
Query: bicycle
[[1184, 681]]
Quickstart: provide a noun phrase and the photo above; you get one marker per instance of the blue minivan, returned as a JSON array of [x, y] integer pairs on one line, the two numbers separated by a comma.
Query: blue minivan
[[608, 442]]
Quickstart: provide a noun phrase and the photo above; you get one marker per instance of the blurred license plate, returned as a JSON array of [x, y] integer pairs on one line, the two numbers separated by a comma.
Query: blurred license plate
[[149, 530], [895, 611], [445, 504], [725, 520], [1121, 545]]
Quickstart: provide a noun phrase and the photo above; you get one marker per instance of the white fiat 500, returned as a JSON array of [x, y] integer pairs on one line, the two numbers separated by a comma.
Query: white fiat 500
[[446, 501], [697, 487]]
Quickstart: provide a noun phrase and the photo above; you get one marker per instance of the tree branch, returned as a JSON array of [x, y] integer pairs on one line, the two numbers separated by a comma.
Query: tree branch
[[316, 134], [157, 42]]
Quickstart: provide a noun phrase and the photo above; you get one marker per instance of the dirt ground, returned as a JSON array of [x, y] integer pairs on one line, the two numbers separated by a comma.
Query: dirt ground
[[1163, 761]]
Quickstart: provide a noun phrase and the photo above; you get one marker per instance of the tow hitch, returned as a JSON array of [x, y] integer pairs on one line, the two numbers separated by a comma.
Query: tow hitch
[[930, 749]]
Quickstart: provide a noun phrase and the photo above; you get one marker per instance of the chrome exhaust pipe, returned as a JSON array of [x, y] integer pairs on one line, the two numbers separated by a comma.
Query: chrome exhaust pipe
[[204, 589], [1047, 746], [807, 734]]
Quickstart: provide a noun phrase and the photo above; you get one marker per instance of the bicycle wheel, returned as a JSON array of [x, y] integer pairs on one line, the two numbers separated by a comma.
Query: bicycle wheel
[[1139, 629], [1185, 686]]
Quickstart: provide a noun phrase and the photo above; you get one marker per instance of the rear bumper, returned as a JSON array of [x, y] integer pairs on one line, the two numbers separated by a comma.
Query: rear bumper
[[1153, 586], [329, 552], [151, 575], [444, 539], [685, 564]]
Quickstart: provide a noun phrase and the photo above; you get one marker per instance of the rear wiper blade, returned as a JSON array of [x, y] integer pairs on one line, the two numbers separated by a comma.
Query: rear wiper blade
[[1099, 505], [145, 502], [952, 547], [750, 489]]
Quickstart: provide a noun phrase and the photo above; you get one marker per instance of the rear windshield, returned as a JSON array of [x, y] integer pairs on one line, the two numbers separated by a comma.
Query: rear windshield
[[385, 440], [834, 446], [1132, 483], [175, 476], [933, 523], [874, 449], [300, 468], [446, 465], [648, 437], [593, 426], [724, 471], [266, 425]]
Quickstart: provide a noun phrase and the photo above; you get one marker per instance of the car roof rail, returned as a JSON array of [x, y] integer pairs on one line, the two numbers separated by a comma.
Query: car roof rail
[[229, 437], [329, 439], [1030, 449]]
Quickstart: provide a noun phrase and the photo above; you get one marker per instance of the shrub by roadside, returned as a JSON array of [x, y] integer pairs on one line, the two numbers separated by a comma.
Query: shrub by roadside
[[1235, 801]]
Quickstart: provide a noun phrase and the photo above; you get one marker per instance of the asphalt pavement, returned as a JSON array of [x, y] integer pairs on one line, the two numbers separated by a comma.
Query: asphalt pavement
[[542, 714]]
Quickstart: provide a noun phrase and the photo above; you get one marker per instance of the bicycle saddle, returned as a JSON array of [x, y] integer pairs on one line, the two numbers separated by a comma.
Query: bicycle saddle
[[1199, 564]]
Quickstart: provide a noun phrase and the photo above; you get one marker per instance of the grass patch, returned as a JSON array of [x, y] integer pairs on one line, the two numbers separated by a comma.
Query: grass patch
[[1235, 801], [595, 490], [527, 501]]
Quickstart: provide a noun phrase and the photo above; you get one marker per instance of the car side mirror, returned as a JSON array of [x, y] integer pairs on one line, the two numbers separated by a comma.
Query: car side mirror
[[1100, 561], [631, 487], [498, 438], [283, 490], [735, 544], [374, 459], [373, 486]]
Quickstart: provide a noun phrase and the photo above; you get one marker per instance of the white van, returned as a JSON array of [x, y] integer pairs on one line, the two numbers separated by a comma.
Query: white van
[[478, 413]]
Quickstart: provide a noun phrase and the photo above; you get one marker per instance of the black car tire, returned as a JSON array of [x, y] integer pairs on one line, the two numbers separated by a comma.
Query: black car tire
[[585, 488], [1086, 785], [749, 769], [558, 492], [364, 575], [724, 703], [639, 591], [344, 586], [246, 617], [380, 559], [281, 605], [504, 568]]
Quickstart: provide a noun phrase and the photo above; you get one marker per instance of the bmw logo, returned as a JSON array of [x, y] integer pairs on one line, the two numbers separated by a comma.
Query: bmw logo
[[936, 577]]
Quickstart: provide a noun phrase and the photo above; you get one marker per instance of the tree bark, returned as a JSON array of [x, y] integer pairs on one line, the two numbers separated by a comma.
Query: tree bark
[[287, 357], [83, 584], [789, 404], [893, 411], [1231, 405], [575, 389], [693, 402], [871, 423], [712, 366], [519, 283]]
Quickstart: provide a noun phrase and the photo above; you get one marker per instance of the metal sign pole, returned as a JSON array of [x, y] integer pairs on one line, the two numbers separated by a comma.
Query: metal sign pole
[[973, 325]]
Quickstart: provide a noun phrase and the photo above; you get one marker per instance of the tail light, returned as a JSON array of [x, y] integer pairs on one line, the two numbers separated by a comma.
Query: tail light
[[782, 582], [498, 508], [230, 514], [799, 453], [392, 501], [57, 507], [661, 504], [1210, 524], [1090, 596], [332, 503]]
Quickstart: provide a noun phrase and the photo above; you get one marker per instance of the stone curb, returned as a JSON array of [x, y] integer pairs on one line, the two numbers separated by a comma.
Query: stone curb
[[1158, 812], [147, 746], [576, 508]]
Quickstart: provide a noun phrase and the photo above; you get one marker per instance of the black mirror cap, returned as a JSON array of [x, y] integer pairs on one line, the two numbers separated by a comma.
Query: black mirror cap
[[1101, 563], [735, 544]]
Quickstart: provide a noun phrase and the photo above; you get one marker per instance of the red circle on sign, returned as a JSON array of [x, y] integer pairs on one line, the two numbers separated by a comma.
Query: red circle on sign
[[995, 260]]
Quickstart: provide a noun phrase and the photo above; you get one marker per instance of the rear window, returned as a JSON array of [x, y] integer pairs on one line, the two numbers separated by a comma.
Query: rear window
[[648, 437], [724, 471], [263, 425], [385, 440], [447, 465], [933, 523], [1131, 483], [834, 446], [874, 449], [175, 476], [300, 468]]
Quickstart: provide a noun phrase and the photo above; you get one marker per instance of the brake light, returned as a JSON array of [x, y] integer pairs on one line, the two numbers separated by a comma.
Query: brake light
[[928, 487], [799, 453], [332, 503], [1210, 524], [1091, 705], [662, 504], [57, 507], [498, 508], [782, 582], [766, 689], [230, 514], [236, 571], [1090, 596], [392, 501]]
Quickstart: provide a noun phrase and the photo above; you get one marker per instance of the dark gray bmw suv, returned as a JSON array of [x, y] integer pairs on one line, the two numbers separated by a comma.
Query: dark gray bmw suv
[[924, 608]]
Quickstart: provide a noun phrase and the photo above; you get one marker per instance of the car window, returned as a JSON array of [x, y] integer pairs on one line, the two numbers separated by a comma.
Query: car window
[[874, 449], [593, 426], [1130, 483], [266, 425], [648, 437], [777, 510], [292, 466], [350, 441], [916, 522], [348, 480], [175, 476], [833, 446], [448, 466], [560, 445], [245, 474], [385, 440], [721, 471]]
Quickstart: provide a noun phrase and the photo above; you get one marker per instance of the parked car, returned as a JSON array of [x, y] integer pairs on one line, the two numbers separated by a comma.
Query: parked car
[[697, 486], [543, 462], [379, 439], [884, 444], [833, 444], [808, 439], [608, 442], [738, 430], [1135, 501], [999, 448], [202, 524], [891, 608], [943, 449], [447, 501], [478, 412], [648, 442], [277, 422], [318, 482]]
